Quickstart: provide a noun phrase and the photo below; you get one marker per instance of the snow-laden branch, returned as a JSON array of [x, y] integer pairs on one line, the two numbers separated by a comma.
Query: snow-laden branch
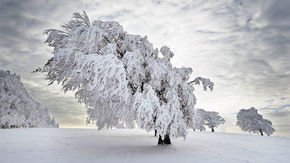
[[77, 21], [206, 83]]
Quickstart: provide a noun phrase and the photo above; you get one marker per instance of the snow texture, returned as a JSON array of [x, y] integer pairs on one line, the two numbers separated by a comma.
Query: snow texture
[[250, 120], [17, 107], [121, 77], [124, 145]]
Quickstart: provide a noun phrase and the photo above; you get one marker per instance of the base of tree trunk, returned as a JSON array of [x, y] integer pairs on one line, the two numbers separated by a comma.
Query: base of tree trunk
[[261, 132], [166, 140], [212, 129], [155, 131]]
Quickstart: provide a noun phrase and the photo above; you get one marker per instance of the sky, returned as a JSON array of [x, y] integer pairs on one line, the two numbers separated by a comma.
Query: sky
[[242, 46]]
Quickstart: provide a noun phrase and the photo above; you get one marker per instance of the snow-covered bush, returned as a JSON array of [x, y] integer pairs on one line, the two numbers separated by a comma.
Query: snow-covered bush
[[250, 120], [17, 107], [121, 77]]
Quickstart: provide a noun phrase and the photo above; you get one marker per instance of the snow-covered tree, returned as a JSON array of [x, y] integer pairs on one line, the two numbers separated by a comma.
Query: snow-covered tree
[[213, 119], [210, 118], [250, 120], [17, 107], [199, 120], [121, 77]]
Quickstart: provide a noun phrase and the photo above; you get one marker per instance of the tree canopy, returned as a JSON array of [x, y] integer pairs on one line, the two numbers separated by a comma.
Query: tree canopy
[[121, 77], [250, 120], [211, 119]]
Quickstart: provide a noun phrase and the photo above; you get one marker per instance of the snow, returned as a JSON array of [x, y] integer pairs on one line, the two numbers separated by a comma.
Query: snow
[[134, 145]]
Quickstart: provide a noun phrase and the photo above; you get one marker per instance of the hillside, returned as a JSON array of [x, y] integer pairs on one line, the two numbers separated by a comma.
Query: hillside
[[124, 145], [19, 109]]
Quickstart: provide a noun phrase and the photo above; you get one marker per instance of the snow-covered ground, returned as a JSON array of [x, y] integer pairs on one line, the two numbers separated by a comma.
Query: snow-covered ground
[[123, 145]]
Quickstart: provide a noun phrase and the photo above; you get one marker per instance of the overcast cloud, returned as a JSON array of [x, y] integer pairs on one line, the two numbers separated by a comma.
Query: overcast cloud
[[243, 46]]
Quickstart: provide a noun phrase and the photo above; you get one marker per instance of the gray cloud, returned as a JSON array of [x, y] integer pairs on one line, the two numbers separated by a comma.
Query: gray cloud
[[280, 114], [276, 107], [259, 48]]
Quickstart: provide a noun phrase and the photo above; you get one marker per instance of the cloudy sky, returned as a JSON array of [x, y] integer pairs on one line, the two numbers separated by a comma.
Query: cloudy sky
[[243, 46]]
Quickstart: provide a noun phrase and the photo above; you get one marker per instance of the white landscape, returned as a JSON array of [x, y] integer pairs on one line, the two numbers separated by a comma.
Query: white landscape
[[158, 81], [134, 145]]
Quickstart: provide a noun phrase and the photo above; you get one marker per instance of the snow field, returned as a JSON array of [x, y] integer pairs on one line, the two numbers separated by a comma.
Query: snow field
[[134, 145]]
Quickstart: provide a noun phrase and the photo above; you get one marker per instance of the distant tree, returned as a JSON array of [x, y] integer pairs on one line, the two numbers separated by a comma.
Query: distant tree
[[199, 120], [213, 119], [17, 107], [249, 120], [209, 118], [121, 77]]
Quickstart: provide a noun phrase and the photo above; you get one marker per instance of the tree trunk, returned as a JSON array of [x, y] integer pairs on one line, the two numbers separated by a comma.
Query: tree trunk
[[261, 132], [212, 129], [155, 131], [193, 129], [166, 140], [160, 141]]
